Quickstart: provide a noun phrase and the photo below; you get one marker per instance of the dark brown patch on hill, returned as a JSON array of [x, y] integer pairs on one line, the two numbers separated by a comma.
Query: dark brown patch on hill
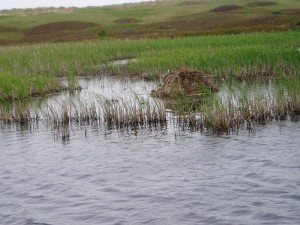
[[60, 26], [291, 11], [127, 20], [261, 3], [191, 2], [185, 81], [8, 29], [226, 8]]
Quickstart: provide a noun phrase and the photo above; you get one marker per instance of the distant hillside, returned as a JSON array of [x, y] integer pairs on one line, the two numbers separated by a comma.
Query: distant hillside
[[147, 20]]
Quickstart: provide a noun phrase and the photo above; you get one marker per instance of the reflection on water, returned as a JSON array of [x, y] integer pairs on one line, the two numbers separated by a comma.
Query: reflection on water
[[88, 174]]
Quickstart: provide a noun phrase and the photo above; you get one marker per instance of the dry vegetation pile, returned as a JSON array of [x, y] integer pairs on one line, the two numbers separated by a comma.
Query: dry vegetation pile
[[185, 81]]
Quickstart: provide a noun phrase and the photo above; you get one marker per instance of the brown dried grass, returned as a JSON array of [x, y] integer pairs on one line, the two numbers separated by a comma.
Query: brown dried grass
[[226, 8], [185, 81], [261, 3], [60, 26], [127, 20]]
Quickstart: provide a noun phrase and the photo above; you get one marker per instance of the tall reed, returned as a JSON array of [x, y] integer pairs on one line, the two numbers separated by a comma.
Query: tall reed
[[237, 106]]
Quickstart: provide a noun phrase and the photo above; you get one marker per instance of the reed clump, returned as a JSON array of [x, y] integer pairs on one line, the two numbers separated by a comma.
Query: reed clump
[[239, 108], [135, 112], [120, 113]]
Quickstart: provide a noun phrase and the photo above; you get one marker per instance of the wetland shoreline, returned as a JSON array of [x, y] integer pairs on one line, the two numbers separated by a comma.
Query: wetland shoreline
[[231, 59]]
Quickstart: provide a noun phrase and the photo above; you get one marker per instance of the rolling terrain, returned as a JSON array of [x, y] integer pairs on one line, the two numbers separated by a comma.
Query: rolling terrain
[[166, 18]]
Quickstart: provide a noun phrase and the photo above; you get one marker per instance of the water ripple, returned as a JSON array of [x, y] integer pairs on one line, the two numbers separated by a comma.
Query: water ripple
[[150, 179]]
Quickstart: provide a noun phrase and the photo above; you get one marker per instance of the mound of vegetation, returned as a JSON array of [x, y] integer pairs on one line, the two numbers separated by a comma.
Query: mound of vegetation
[[261, 3], [127, 20], [225, 8], [60, 26], [187, 82]]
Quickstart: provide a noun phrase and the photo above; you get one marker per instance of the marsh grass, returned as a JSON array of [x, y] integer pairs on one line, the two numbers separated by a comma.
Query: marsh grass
[[240, 106], [243, 56], [121, 113], [13, 87], [134, 112], [225, 57]]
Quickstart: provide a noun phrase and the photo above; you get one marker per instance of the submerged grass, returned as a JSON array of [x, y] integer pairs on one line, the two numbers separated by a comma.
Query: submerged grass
[[244, 105], [237, 106], [121, 113]]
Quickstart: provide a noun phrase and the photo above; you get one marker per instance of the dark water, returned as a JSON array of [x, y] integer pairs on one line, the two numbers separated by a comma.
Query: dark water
[[149, 176]]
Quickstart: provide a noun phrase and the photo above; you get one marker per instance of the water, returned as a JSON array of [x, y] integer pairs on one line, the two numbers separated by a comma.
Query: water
[[156, 175]]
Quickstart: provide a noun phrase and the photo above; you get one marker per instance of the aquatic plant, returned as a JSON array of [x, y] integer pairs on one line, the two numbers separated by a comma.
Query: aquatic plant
[[237, 106], [240, 106], [132, 112]]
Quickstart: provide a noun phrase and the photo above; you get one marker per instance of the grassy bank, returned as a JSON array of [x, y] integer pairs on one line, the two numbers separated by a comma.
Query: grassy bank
[[16, 87], [243, 55]]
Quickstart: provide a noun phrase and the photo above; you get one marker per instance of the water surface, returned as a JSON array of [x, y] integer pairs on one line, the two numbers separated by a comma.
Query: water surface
[[159, 175]]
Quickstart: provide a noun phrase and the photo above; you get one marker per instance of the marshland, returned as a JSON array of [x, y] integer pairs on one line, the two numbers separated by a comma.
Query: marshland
[[163, 112]]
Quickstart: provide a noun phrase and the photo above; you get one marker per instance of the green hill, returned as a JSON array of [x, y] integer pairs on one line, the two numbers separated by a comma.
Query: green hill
[[166, 18]]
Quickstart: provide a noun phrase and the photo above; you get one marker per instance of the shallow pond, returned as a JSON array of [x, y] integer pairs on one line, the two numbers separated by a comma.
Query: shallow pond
[[158, 175]]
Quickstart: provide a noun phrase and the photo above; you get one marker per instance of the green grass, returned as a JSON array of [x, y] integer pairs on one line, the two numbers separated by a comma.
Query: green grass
[[14, 87], [242, 56]]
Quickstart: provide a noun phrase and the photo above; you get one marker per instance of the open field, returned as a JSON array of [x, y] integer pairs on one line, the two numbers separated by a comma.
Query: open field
[[153, 19]]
